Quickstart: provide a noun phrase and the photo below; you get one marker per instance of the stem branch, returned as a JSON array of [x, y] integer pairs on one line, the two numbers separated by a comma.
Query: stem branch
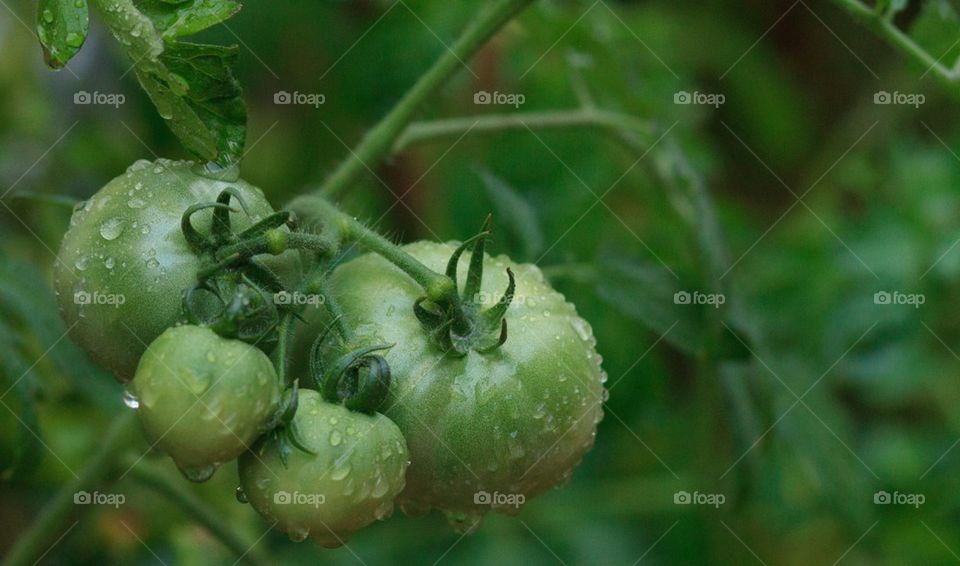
[[378, 141]]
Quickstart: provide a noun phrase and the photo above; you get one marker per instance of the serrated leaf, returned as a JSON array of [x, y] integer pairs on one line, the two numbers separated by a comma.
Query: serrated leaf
[[62, 27], [175, 19], [514, 212], [209, 116]]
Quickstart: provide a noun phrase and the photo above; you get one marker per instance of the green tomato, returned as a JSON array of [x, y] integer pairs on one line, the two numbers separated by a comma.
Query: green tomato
[[485, 431], [124, 263], [204, 399], [349, 478]]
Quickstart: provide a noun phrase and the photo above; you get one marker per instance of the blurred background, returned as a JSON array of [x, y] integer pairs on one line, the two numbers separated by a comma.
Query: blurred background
[[821, 429]]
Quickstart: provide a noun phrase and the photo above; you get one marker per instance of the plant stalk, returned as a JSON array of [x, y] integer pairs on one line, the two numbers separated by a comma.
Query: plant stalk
[[44, 530], [378, 141]]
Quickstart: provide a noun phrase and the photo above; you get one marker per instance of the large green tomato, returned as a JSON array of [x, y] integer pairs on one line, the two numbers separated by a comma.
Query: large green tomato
[[124, 263], [204, 399], [350, 479], [485, 431]]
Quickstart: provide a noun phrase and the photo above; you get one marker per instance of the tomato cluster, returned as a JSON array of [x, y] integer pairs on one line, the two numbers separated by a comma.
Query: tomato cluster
[[472, 402]]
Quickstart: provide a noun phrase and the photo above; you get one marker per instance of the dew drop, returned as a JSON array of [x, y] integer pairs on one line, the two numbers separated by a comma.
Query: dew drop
[[136, 202], [200, 474], [335, 438], [82, 263], [298, 534], [340, 471], [241, 495], [74, 39], [47, 15], [582, 329], [130, 400], [111, 229], [153, 263], [109, 263]]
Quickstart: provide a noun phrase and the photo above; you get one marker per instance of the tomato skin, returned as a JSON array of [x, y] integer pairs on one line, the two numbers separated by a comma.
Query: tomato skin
[[204, 399], [351, 480], [515, 421], [125, 252]]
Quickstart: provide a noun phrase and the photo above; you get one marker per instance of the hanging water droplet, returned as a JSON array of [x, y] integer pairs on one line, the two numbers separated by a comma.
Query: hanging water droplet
[[198, 475], [298, 534], [241, 495], [130, 400], [112, 228], [153, 263]]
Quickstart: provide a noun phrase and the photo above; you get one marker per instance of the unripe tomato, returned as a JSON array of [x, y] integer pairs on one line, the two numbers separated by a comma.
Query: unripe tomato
[[350, 479], [204, 399], [486, 431], [124, 263]]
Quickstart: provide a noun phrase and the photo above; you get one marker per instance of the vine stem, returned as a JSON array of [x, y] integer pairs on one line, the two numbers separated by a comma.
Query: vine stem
[[440, 288], [430, 130], [153, 477], [882, 25], [31, 544], [378, 141]]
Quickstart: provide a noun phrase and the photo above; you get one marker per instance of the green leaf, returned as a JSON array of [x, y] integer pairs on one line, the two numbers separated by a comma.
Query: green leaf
[[646, 292], [514, 212], [200, 99], [62, 28], [175, 19]]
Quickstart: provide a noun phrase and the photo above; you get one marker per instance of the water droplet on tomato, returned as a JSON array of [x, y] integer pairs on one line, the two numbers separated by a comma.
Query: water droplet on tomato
[[130, 400], [335, 438], [111, 228], [241, 495]]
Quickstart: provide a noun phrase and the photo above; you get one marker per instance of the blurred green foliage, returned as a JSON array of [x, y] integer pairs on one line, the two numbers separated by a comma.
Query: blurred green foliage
[[877, 383]]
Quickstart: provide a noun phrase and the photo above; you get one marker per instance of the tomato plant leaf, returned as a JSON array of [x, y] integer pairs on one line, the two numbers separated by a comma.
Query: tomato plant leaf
[[514, 212], [200, 99], [62, 28], [648, 293], [175, 19]]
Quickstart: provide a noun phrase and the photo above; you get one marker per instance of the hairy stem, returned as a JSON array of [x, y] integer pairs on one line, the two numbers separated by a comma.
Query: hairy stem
[[171, 488], [378, 141], [349, 229], [46, 528]]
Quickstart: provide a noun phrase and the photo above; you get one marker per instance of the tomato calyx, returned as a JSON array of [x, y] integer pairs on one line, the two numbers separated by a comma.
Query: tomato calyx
[[458, 323], [358, 378], [284, 433]]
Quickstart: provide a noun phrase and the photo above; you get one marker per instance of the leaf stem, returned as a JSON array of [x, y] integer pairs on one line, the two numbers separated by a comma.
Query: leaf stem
[[33, 543], [153, 477], [423, 131], [883, 26], [378, 141]]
